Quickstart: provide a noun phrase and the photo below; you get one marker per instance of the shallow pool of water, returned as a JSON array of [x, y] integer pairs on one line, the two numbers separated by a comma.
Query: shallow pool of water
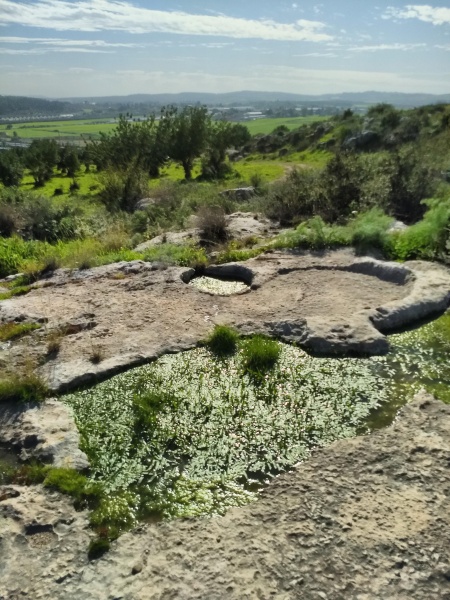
[[193, 434]]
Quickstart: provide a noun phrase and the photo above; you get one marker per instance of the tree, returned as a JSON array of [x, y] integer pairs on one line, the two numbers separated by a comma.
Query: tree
[[69, 162], [222, 135], [144, 145], [188, 135], [41, 158], [11, 168]]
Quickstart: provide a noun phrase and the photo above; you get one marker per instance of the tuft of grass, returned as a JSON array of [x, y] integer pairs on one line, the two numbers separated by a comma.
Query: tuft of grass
[[259, 354], [97, 355], [25, 388], [54, 341], [12, 331], [20, 290], [98, 547], [223, 340]]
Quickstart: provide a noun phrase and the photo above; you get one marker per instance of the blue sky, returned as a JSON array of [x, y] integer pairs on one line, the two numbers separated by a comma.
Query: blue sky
[[61, 48]]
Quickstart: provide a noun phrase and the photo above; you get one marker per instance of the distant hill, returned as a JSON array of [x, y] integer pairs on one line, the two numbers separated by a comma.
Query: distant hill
[[20, 106], [250, 97]]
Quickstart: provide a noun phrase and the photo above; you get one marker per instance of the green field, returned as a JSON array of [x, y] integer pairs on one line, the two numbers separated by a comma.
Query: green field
[[268, 125], [93, 127], [59, 129]]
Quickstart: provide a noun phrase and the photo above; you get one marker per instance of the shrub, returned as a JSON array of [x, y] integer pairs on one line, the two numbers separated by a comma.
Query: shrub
[[212, 223], [369, 230], [294, 198], [259, 354], [223, 340], [428, 238]]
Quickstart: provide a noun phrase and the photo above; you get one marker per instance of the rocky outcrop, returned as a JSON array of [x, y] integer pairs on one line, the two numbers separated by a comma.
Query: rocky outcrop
[[365, 518], [46, 432], [328, 302]]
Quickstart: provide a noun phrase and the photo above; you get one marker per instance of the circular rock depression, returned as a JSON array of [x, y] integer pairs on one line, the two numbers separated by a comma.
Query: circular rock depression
[[332, 303]]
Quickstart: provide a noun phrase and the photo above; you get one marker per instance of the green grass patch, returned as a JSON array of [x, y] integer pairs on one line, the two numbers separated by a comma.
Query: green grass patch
[[223, 340], [19, 290], [22, 388], [268, 125], [12, 331], [313, 158], [268, 170], [259, 354], [72, 483]]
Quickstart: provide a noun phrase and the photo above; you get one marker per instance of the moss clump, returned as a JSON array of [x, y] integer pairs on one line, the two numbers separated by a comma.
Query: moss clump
[[259, 354], [72, 483], [223, 340], [11, 331]]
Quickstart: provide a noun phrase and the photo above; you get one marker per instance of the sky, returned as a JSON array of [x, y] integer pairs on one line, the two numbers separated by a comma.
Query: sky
[[74, 48]]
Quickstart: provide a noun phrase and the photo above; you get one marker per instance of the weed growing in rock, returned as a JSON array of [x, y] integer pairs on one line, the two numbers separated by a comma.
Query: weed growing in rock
[[20, 290], [22, 388], [223, 340]]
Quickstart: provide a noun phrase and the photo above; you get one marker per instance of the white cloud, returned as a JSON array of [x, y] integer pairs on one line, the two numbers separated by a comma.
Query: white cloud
[[437, 15], [381, 47], [319, 55], [80, 70], [64, 42], [43, 50], [443, 47], [98, 15]]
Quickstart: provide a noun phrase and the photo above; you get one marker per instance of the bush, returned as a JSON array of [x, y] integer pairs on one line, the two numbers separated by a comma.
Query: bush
[[212, 223], [294, 198], [223, 340], [259, 354], [122, 190], [369, 230], [428, 239]]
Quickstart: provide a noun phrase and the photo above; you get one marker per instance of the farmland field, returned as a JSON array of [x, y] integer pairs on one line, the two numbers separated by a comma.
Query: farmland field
[[92, 127], [268, 125], [59, 129]]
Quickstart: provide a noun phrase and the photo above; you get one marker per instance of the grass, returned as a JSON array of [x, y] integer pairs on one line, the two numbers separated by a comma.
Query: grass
[[259, 354], [12, 331], [268, 125], [269, 170], [19, 290], [22, 388], [60, 129], [223, 340]]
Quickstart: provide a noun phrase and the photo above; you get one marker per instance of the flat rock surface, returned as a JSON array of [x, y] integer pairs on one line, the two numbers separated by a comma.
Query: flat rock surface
[[128, 313], [363, 519]]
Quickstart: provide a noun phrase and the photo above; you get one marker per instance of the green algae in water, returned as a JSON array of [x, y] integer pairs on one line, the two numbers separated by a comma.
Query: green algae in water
[[192, 435], [220, 287], [419, 359]]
